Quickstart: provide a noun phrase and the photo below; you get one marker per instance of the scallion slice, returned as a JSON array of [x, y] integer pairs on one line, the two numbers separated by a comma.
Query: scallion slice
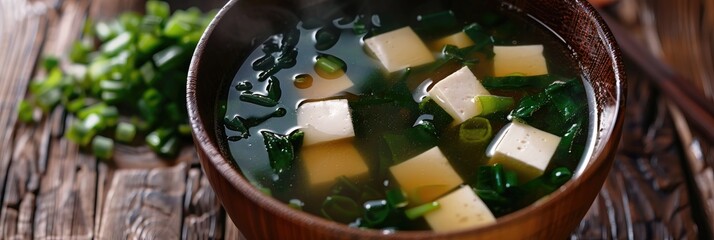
[[421, 210], [103, 147]]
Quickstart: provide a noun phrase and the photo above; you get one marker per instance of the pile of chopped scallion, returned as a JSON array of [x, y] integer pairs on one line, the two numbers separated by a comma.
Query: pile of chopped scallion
[[126, 79]]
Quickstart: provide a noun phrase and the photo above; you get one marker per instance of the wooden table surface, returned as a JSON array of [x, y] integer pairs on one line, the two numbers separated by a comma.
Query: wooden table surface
[[660, 186]]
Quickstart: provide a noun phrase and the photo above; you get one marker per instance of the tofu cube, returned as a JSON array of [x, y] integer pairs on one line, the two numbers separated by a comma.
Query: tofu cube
[[459, 210], [526, 60], [456, 93], [325, 121], [426, 176], [524, 149], [460, 40], [325, 162], [324, 88], [399, 49]]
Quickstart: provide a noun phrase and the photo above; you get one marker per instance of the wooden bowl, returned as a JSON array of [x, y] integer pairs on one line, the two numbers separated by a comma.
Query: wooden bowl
[[228, 40]]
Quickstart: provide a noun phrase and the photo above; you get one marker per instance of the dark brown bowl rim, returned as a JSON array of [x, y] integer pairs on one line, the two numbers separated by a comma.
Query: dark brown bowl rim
[[278, 208]]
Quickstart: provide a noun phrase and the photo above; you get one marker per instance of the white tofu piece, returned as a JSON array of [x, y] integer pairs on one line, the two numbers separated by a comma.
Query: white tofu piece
[[324, 88], [456, 93], [324, 121], [459, 210], [524, 149], [459, 39], [399, 49], [526, 60], [325, 162], [426, 176]]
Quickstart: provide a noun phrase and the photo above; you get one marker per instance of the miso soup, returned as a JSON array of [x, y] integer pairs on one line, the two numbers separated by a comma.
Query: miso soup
[[441, 118]]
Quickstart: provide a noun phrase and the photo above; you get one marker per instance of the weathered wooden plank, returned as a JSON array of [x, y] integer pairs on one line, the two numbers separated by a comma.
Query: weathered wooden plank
[[691, 53], [66, 198], [23, 30], [144, 204], [22, 182], [645, 195], [203, 215]]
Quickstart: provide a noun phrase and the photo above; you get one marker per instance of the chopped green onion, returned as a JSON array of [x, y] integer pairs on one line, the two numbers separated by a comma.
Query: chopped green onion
[[150, 25], [110, 115], [491, 178], [176, 27], [157, 8], [345, 186], [421, 210], [117, 44], [156, 139], [94, 122], [130, 21], [511, 179], [170, 148], [103, 147], [104, 31], [341, 209], [326, 38], [97, 108], [25, 112], [132, 61], [475, 130], [148, 73], [125, 132], [80, 51], [499, 178], [560, 175], [492, 104], [75, 105], [191, 38], [396, 198], [49, 99], [50, 62], [79, 133], [169, 57], [328, 64], [184, 129], [175, 114], [376, 212], [148, 43]]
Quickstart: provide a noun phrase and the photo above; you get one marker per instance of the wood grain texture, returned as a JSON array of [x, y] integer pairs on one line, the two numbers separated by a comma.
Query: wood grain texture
[[690, 53], [22, 183], [66, 198], [203, 215], [22, 24], [646, 194], [144, 204]]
